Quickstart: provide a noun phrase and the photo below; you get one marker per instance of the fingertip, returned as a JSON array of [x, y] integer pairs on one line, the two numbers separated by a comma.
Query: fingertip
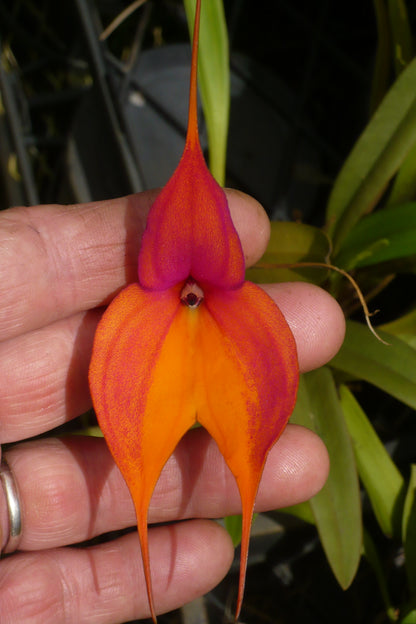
[[315, 318], [297, 468], [251, 222], [200, 553], [306, 462]]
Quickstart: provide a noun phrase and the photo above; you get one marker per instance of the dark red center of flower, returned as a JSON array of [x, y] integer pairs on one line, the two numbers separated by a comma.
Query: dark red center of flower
[[192, 295]]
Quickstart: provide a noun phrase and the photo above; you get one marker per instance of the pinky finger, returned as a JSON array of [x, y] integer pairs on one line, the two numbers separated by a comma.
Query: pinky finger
[[104, 584]]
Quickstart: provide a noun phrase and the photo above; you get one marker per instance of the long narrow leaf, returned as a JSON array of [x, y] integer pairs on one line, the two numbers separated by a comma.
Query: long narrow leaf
[[214, 79], [375, 158], [382, 64], [379, 474], [394, 44], [401, 34], [380, 237], [336, 508], [372, 556], [404, 328], [389, 367], [404, 185], [409, 531]]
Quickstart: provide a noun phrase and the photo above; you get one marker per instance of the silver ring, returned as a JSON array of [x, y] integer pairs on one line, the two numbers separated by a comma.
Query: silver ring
[[11, 493]]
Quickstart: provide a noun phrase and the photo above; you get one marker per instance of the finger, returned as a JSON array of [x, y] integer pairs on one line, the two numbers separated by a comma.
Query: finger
[[55, 260], [51, 386], [315, 318], [72, 491], [251, 222], [104, 584], [44, 377]]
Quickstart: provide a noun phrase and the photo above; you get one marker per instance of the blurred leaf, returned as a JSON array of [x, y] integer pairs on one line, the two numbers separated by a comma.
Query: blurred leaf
[[382, 65], [404, 186], [409, 618], [290, 243], [389, 367], [234, 525], [302, 511], [371, 554], [375, 158], [380, 237], [403, 328], [394, 45], [379, 474], [214, 79], [409, 531], [401, 34], [95, 432], [336, 508]]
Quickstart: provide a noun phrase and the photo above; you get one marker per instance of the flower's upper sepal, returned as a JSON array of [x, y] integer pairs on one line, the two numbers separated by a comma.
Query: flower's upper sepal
[[189, 231]]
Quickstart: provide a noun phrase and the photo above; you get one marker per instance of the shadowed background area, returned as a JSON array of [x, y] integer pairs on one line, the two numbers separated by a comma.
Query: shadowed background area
[[85, 119]]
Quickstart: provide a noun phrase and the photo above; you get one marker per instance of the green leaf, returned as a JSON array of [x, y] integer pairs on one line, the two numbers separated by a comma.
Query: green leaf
[[409, 531], [234, 526], [403, 328], [375, 158], [302, 511], [401, 34], [389, 367], [382, 65], [404, 185], [409, 618], [370, 553], [213, 79], [380, 237], [291, 243], [94, 432], [336, 508], [379, 474], [394, 44]]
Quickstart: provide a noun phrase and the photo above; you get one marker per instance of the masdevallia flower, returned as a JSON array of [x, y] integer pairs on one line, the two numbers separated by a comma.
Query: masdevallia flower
[[191, 342]]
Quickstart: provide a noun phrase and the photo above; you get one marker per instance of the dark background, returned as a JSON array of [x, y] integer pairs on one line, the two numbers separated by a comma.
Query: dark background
[[303, 73]]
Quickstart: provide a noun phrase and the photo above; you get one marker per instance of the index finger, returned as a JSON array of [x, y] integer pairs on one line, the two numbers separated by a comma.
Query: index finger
[[59, 260]]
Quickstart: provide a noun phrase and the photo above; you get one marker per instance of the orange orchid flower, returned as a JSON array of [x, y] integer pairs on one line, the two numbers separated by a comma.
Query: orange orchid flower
[[192, 342]]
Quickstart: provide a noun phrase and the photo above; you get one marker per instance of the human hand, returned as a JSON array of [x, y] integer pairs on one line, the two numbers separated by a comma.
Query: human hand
[[57, 265]]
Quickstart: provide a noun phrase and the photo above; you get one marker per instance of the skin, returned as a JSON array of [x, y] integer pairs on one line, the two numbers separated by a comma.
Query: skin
[[58, 266]]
